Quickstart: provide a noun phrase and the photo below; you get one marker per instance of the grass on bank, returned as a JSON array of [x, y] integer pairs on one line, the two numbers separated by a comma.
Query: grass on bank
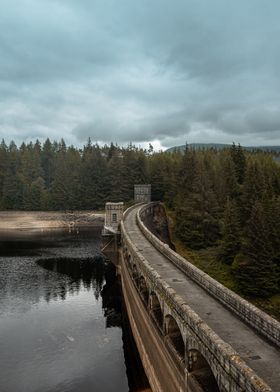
[[207, 260]]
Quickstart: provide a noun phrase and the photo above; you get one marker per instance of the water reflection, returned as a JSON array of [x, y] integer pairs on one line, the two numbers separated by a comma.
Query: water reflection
[[23, 283], [96, 274], [88, 273], [59, 305]]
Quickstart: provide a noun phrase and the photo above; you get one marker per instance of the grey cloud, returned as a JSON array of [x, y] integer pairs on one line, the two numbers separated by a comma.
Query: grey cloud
[[113, 128], [139, 71], [264, 120]]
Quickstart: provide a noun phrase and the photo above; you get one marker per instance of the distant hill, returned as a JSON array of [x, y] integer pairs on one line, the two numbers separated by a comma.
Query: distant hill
[[219, 146]]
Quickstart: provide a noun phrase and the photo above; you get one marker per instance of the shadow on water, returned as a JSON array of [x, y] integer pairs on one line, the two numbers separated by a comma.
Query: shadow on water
[[31, 243], [100, 275], [20, 247], [86, 272]]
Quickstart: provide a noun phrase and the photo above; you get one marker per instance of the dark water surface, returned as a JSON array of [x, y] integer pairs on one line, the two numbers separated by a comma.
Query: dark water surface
[[61, 318]]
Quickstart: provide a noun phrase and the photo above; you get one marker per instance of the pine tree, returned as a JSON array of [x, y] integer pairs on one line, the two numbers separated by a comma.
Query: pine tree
[[94, 177], [254, 269], [116, 176], [12, 184], [253, 188], [3, 168], [197, 221], [231, 233], [35, 199], [231, 188], [47, 162], [239, 160], [159, 177], [65, 187]]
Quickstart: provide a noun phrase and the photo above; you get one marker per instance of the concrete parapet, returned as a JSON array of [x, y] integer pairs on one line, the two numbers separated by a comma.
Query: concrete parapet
[[259, 320]]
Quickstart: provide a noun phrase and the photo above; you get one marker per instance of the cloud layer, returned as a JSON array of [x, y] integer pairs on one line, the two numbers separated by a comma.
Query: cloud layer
[[141, 71]]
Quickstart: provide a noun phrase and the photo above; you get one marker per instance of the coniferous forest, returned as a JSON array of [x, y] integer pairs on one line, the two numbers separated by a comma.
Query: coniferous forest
[[227, 200]]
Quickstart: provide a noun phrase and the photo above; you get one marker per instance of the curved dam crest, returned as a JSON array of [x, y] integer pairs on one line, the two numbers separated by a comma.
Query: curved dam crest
[[192, 333]]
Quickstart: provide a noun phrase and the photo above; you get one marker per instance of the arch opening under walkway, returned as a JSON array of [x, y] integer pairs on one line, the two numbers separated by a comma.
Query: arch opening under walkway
[[143, 289], [175, 340], [201, 372], [156, 311], [134, 272]]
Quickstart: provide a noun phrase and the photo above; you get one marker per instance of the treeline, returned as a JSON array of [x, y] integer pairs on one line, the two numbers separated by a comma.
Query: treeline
[[228, 199], [231, 200], [53, 176]]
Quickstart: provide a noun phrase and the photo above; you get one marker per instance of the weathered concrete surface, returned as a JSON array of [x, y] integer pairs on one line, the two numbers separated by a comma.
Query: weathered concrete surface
[[157, 223], [113, 216], [259, 320], [150, 345], [261, 356]]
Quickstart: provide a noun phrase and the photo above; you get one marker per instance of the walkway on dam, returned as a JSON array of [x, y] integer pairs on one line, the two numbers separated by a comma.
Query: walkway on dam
[[260, 355]]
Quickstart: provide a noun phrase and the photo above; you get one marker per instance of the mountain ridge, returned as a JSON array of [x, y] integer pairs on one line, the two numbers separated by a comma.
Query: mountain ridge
[[221, 146]]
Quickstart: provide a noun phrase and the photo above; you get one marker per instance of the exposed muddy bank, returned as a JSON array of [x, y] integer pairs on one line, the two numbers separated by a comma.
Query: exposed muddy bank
[[41, 220]]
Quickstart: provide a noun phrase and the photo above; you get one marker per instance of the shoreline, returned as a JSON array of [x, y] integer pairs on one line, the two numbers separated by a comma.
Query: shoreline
[[20, 221]]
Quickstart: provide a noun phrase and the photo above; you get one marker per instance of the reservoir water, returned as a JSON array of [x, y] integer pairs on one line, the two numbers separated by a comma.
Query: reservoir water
[[62, 322]]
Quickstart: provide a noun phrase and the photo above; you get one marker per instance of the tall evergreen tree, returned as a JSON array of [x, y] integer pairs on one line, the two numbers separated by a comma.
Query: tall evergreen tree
[[239, 160], [197, 221], [253, 189], [47, 162], [3, 168], [231, 233], [94, 177], [254, 268]]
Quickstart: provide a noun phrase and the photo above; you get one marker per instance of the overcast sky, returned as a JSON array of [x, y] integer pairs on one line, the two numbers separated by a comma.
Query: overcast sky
[[165, 71]]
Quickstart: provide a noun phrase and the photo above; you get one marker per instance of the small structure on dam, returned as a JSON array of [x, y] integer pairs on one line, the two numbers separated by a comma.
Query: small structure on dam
[[142, 193], [111, 232], [113, 217]]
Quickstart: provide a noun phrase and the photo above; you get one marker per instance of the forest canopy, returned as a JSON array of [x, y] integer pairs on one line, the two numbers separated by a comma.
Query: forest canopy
[[226, 198]]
